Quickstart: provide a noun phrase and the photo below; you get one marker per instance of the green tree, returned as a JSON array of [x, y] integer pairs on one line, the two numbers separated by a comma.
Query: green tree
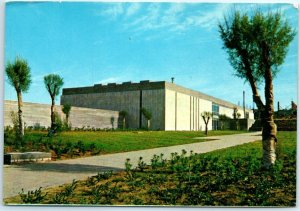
[[19, 76], [206, 117], [223, 119], [53, 84], [257, 45], [236, 115], [148, 115], [66, 109]]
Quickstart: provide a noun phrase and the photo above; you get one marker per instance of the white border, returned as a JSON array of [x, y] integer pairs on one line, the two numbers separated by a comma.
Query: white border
[[2, 26]]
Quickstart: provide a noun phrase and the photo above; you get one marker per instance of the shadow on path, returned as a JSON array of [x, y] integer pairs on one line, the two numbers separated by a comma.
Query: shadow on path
[[67, 168]]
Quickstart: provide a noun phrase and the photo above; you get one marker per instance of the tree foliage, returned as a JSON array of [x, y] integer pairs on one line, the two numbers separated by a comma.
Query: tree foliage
[[66, 109], [53, 84], [147, 114], [18, 74], [245, 36]]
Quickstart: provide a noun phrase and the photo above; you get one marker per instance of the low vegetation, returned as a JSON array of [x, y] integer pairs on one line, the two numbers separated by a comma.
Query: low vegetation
[[227, 177], [70, 144]]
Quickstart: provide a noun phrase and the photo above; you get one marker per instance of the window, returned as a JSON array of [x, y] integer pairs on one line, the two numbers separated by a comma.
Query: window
[[215, 110], [215, 116]]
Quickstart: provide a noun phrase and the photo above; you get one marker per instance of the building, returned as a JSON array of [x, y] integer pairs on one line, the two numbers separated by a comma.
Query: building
[[173, 107]]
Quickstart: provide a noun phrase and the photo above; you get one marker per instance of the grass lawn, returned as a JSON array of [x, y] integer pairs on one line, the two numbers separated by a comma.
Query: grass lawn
[[227, 177], [110, 141]]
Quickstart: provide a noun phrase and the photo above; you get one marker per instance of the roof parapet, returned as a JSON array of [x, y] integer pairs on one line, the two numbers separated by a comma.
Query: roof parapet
[[145, 82]]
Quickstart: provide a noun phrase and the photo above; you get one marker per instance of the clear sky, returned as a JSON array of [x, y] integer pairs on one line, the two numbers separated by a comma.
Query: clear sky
[[89, 43]]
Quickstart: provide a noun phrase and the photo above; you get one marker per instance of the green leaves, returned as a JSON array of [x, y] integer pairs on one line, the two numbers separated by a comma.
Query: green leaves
[[255, 42], [18, 74], [53, 84], [147, 114], [66, 109]]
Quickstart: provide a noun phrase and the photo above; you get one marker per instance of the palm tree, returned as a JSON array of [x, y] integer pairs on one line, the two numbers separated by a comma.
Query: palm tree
[[53, 85], [66, 110], [19, 77], [123, 114], [148, 115]]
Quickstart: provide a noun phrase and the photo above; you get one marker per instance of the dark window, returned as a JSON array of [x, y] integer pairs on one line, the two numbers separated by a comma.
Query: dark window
[[215, 109], [215, 124], [215, 116]]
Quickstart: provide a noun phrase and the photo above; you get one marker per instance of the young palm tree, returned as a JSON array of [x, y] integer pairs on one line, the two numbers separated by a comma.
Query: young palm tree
[[53, 84], [19, 77], [206, 116], [148, 115], [123, 115], [66, 109]]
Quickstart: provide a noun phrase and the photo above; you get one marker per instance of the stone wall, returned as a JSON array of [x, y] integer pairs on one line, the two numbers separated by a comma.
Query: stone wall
[[34, 113]]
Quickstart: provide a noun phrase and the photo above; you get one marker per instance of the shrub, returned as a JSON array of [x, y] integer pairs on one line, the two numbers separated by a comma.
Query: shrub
[[32, 197]]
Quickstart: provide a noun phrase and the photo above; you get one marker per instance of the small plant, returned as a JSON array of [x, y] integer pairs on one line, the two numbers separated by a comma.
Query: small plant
[[128, 166], [141, 164], [32, 197], [96, 193], [81, 147], [69, 189], [60, 198], [104, 175]]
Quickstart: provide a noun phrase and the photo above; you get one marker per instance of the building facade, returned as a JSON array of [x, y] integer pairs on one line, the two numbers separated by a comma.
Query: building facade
[[173, 107]]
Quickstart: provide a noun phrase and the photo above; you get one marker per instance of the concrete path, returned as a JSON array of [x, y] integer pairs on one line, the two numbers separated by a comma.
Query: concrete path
[[35, 175]]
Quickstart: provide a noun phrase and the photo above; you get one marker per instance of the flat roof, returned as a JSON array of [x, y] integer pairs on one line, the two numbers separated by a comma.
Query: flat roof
[[145, 85]]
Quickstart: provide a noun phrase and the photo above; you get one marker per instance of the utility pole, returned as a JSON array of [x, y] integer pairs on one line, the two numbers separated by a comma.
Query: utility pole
[[278, 106]]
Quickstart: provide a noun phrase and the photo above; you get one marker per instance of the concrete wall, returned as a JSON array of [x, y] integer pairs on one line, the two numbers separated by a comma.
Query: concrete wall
[[117, 101], [153, 101], [34, 113], [129, 101]]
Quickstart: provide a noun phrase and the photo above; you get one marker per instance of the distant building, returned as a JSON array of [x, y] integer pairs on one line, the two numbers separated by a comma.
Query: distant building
[[173, 107]]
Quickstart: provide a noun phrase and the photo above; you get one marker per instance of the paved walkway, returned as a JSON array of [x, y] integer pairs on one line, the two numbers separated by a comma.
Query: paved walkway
[[35, 175]]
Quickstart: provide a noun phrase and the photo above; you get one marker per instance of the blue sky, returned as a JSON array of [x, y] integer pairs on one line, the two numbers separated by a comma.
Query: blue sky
[[89, 43]]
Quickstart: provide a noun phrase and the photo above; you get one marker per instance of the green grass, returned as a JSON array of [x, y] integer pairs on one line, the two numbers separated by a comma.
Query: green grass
[[227, 177], [123, 141]]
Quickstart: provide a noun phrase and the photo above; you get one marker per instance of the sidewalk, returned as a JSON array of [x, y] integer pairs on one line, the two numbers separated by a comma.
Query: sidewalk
[[35, 175]]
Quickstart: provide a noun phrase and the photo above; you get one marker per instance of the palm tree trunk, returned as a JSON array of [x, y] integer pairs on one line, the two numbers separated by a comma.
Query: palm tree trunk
[[148, 124], [52, 113], [20, 104], [124, 123], [269, 127]]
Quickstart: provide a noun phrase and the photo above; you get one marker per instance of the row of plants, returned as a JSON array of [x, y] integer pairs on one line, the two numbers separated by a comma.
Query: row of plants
[[228, 177]]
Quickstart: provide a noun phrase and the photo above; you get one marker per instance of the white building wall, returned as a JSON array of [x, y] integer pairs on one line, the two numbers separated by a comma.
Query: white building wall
[[205, 105], [169, 110], [229, 112], [183, 112], [226, 111]]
